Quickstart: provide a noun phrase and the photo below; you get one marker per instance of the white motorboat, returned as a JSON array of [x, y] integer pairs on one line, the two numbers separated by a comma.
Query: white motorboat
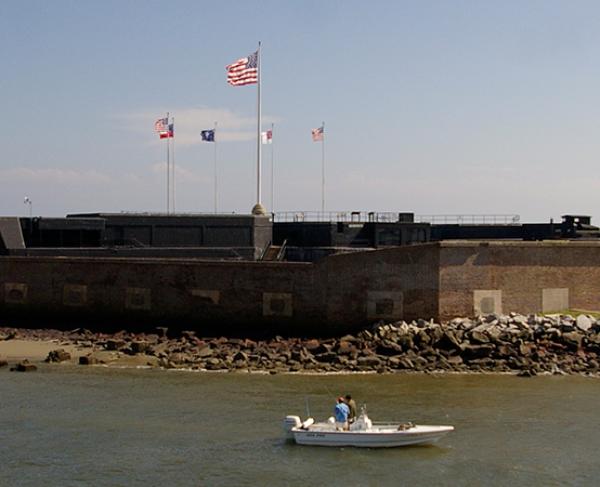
[[362, 433]]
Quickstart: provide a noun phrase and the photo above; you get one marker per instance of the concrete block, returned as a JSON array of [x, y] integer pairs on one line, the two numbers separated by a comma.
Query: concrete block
[[487, 302], [384, 305], [74, 295], [277, 304], [555, 299], [15, 293], [138, 298], [206, 296]]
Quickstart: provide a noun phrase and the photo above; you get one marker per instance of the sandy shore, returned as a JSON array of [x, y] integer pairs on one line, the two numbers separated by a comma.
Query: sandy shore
[[36, 351]]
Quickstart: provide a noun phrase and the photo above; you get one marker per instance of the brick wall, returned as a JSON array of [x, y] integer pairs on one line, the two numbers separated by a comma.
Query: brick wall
[[525, 277], [337, 294]]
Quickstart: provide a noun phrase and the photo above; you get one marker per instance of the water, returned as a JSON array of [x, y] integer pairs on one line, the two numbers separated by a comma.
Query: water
[[75, 426]]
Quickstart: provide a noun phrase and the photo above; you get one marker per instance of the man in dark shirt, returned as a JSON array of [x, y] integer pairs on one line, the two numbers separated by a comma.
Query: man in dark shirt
[[352, 406]]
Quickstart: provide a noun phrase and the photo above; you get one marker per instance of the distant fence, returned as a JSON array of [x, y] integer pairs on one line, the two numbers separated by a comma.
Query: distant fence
[[392, 217]]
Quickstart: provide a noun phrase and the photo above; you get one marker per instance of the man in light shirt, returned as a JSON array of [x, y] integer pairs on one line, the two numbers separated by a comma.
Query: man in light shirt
[[341, 413]]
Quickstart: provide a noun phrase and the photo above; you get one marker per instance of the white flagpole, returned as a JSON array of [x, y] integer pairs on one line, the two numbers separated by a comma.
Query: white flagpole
[[272, 173], [258, 207], [216, 178], [168, 168], [323, 170], [173, 167]]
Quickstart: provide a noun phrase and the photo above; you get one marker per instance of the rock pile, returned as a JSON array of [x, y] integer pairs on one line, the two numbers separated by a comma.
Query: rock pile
[[526, 345]]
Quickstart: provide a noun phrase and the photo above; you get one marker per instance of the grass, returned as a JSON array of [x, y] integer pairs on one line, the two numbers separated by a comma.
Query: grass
[[575, 312]]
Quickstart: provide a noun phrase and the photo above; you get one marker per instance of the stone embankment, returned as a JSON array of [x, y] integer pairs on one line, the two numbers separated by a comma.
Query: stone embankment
[[526, 345]]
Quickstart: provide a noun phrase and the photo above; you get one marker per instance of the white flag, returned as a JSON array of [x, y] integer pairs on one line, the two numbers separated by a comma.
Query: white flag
[[266, 137]]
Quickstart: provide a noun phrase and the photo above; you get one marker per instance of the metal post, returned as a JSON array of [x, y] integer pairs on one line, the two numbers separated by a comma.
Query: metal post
[[216, 174], [173, 167], [168, 167], [323, 170], [272, 173], [258, 141]]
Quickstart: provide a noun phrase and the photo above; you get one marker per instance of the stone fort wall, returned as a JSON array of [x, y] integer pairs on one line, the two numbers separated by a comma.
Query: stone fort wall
[[338, 293]]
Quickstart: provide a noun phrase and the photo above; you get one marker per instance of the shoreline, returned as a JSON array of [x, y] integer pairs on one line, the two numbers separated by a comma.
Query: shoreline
[[504, 344]]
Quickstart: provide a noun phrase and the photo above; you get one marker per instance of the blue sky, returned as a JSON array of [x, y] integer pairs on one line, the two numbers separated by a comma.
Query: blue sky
[[434, 107]]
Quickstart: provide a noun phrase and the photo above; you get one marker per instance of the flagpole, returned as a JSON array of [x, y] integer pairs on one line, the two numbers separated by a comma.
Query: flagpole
[[258, 208], [323, 171], [173, 167], [272, 173], [216, 179], [168, 168]]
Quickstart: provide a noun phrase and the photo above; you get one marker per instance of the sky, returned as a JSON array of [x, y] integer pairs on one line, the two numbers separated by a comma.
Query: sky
[[431, 107]]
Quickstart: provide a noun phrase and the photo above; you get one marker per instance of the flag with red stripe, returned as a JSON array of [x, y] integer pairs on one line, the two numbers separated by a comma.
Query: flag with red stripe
[[244, 71]]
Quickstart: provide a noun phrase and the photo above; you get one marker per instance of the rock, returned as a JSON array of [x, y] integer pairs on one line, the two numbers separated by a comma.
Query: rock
[[115, 344], [179, 358], [205, 351], [369, 361], [3, 363], [59, 355], [312, 345], [346, 347], [526, 349], [140, 346], [583, 323], [11, 335], [572, 339], [479, 337], [24, 366], [188, 334], [527, 373], [448, 341], [326, 357], [162, 331], [471, 352], [406, 342], [241, 357], [455, 360], [88, 360], [389, 348]]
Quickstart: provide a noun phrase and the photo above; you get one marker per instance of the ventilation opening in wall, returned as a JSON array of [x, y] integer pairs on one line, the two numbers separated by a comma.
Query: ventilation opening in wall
[[74, 295], [487, 301], [15, 293], [384, 307], [277, 304], [488, 305]]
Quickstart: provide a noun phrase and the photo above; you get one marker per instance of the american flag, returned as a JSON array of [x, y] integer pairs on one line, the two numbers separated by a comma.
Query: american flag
[[317, 134], [267, 137], [244, 71], [170, 133], [161, 125]]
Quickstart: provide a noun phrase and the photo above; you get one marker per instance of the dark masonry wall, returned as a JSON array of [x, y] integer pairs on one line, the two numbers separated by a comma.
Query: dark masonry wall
[[390, 284], [349, 234], [337, 294], [147, 235], [334, 295], [215, 296], [525, 277]]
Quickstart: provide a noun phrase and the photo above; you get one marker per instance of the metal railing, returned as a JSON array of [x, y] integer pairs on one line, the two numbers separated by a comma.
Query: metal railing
[[392, 217], [470, 219]]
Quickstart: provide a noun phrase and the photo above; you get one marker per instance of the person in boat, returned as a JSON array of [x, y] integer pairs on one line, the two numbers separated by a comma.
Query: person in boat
[[341, 413], [351, 403]]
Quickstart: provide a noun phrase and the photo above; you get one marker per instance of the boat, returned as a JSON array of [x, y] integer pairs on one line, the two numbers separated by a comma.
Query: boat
[[362, 433]]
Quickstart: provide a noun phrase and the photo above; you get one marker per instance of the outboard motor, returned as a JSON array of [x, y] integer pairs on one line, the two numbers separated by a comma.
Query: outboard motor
[[291, 422]]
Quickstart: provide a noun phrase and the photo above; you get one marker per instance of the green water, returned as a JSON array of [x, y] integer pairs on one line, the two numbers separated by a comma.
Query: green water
[[75, 426]]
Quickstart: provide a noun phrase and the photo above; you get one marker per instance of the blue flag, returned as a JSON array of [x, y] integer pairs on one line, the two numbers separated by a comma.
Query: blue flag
[[208, 135]]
